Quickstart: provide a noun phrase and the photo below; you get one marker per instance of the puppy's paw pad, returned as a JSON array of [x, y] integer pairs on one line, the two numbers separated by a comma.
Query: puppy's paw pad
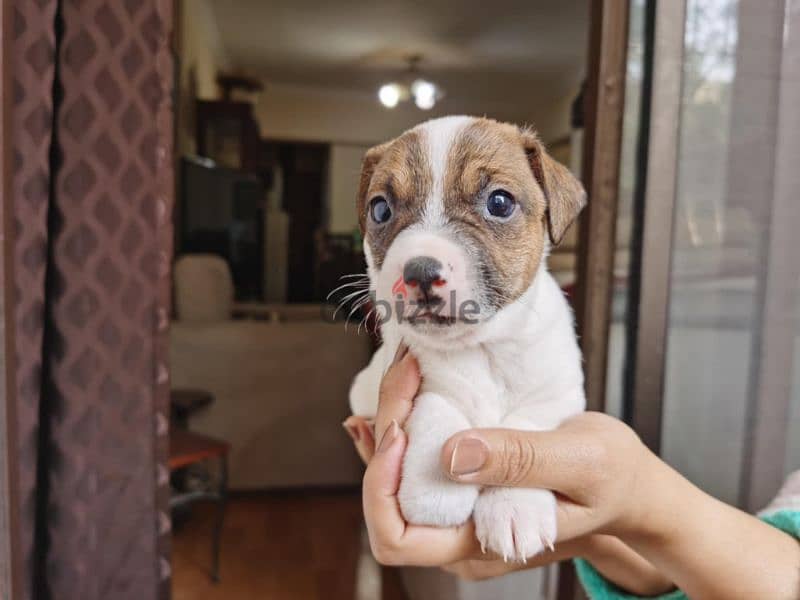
[[515, 524]]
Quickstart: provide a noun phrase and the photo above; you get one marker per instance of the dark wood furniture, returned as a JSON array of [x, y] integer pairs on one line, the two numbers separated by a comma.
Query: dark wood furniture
[[189, 450], [184, 403], [227, 132]]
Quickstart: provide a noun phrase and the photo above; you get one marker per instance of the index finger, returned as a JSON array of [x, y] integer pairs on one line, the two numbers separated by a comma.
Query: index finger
[[393, 540], [399, 387]]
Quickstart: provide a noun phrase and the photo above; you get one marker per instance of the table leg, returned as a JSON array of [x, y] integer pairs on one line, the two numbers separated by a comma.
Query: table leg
[[222, 496]]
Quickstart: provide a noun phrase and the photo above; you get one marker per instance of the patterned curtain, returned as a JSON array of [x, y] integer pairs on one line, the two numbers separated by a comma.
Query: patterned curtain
[[91, 202], [32, 55]]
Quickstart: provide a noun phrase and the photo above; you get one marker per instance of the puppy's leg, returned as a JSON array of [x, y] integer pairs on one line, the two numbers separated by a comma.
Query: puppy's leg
[[516, 523], [366, 385], [427, 496]]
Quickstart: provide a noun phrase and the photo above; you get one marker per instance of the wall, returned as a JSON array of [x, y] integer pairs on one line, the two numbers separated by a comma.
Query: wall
[[290, 112], [353, 121], [202, 55], [344, 168]]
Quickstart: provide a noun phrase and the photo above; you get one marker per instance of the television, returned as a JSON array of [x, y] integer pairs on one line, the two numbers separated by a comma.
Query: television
[[222, 213]]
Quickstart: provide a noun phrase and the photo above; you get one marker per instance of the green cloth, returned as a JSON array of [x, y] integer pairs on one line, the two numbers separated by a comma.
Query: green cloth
[[598, 588]]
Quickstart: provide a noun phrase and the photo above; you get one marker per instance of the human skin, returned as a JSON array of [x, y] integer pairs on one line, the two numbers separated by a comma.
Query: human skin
[[640, 524]]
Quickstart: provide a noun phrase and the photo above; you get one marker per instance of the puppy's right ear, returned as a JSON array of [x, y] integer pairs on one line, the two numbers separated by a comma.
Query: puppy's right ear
[[370, 161], [564, 193]]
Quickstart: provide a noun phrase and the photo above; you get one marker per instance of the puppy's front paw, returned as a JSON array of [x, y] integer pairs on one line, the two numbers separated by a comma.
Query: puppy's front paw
[[515, 523], [441, 503]]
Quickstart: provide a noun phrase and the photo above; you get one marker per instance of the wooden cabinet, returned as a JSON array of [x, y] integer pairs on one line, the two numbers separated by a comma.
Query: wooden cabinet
[[228, 134]]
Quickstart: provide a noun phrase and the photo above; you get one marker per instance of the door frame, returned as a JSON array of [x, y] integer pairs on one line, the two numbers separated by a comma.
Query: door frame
[[602, 148], [604, 108]]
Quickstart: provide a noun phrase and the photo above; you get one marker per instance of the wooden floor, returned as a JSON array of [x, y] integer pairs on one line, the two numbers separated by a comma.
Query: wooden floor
[[294, 546]]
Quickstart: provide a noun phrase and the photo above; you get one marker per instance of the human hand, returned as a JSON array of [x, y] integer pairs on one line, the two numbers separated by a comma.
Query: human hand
[[456, 550], [394, 541], [596, 464]]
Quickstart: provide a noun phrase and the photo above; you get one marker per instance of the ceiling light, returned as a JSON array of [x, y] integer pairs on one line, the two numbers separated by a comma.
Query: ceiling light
[[424, 93], [389, 95]]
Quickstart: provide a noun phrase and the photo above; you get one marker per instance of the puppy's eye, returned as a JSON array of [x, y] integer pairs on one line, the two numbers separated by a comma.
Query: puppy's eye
[[500, 204], [379, 210]]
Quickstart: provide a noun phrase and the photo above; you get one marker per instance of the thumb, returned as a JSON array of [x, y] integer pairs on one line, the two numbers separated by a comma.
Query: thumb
[[551, 460]]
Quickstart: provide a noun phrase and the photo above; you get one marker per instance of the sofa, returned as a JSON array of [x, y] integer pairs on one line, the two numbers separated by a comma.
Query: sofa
[[280, 376]]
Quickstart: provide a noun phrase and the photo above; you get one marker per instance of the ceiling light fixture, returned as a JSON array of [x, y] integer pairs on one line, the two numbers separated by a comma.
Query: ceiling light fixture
[[389, 95], [425, 93]]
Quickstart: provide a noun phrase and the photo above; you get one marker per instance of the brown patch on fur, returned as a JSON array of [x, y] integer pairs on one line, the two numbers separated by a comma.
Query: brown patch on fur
[[398, 171], [488, 156], [485, 156]]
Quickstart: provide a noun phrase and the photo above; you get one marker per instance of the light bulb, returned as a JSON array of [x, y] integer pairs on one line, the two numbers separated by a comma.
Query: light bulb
[[389, 95], [424, 94]]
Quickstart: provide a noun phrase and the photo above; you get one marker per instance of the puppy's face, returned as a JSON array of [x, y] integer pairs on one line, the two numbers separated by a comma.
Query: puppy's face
[[455, 215]]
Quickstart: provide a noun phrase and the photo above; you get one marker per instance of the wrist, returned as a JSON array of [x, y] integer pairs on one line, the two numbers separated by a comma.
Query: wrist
[[672, 516], [660, 505]]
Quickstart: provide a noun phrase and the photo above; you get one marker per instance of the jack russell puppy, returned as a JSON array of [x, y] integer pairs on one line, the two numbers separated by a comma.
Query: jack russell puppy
[[458, 215]]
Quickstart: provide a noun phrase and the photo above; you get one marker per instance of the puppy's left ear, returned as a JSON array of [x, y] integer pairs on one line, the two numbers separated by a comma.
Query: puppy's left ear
[[564, 193]]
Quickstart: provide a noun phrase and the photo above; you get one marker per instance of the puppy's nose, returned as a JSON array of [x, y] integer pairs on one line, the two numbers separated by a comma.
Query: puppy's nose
[[423, 271]]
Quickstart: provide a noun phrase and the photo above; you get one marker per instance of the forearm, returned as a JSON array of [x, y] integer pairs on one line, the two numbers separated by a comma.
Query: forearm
[[609, 556], [710, 549], [621, 565]]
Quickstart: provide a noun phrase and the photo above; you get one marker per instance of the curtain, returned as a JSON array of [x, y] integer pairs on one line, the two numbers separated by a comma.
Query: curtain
[[91, 202]]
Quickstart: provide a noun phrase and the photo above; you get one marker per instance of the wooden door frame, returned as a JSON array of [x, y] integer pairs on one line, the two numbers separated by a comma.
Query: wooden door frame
[[605, 104], [602, 148]]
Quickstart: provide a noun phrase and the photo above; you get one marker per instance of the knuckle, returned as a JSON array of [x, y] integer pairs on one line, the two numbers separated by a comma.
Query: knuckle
[[384, 555], [387, 552], [597, 453], [516, 459]]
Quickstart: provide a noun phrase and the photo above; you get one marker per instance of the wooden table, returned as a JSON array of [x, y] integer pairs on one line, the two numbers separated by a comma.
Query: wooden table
[[188, 449]]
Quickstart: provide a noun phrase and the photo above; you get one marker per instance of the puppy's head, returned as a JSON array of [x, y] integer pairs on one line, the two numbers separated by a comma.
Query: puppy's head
[[456, 214]]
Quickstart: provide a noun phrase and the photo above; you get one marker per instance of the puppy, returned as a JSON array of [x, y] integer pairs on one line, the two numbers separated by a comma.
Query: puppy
[[458, 215]]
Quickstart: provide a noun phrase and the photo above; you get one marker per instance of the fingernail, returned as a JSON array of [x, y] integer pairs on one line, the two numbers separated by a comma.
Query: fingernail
[[402, 350], [388, 437], [351, 430], [469, 456]]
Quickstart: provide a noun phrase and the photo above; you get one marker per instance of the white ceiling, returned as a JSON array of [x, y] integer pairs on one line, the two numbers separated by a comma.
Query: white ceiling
[[492, 50]]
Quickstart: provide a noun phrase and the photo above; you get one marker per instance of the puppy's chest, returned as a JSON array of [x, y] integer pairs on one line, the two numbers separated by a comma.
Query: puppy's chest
[[484, 386]]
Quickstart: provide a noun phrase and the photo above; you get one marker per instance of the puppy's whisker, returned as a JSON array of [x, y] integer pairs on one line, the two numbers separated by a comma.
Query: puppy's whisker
[[356, 306], [352, 284], [365, 319], [348, 297], [354, 294]]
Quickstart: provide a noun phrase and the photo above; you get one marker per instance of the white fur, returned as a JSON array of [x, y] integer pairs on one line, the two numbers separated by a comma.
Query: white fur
[[520, 368], [439, 134]]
